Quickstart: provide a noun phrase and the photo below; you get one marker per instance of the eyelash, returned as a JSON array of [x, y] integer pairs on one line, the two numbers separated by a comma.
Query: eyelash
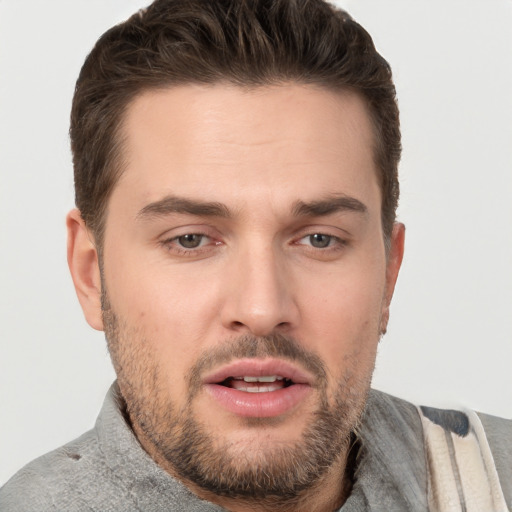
[[338, 242], [171, 244]]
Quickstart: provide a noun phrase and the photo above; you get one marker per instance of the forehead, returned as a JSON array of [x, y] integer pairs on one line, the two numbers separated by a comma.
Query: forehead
[[269, 143]]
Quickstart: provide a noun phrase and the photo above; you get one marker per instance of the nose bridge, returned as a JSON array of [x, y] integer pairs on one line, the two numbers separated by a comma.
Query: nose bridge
[[261, 298]]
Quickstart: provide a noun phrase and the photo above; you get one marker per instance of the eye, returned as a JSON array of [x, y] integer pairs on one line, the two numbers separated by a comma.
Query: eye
[[319, 240], [191, 241], [189, 244], [322, 245]]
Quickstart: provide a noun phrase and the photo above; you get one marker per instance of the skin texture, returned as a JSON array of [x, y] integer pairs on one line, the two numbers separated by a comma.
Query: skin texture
[[270, 162]]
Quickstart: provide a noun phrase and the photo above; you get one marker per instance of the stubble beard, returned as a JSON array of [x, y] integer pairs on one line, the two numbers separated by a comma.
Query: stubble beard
[[275, 474]]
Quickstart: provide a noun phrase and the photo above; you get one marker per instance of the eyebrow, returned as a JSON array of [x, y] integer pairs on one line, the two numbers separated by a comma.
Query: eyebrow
[[172, 204], [328, 206]]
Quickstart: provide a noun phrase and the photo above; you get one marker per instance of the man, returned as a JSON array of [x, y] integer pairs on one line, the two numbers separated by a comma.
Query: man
[[235, 238]]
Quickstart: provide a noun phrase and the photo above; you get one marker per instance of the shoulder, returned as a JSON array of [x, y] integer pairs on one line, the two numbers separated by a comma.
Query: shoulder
[[448, 434], [478, 446], [498, 432], [499, 436], [44, 484]]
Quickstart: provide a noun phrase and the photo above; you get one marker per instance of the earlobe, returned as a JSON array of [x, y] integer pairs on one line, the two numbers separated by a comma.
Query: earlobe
[[84, 267], [394, 262]]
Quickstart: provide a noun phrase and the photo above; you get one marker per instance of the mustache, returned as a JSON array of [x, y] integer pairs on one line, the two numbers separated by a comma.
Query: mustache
[[251, 347]]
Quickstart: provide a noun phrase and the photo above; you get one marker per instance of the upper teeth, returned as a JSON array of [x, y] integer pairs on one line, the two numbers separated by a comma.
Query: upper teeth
[[262, 378]]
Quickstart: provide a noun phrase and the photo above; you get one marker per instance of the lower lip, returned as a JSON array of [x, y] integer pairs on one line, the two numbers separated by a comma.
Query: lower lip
[[259, 405]]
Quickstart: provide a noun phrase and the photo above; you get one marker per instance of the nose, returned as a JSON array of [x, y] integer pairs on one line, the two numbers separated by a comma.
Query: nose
[[260, 299]]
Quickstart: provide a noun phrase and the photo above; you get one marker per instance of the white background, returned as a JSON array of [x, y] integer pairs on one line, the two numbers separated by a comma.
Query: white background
[[449, 340]]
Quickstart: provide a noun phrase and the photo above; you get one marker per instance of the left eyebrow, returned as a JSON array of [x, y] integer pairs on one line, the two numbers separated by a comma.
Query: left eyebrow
[[328, 206]]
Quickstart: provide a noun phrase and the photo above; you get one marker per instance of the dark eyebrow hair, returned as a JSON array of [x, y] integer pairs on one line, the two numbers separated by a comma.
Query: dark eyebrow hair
[[318, 208], [328, 206], [173, 204]]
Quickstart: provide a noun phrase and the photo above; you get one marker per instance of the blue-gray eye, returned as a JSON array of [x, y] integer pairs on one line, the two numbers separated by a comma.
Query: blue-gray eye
[[190, 241], [319, 240]]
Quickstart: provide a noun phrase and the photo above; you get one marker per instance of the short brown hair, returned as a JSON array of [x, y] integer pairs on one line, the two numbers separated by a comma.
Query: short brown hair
[[243, 42]]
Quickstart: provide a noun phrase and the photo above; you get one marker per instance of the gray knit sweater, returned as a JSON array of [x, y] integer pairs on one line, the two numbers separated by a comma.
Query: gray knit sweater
[[107, 470]]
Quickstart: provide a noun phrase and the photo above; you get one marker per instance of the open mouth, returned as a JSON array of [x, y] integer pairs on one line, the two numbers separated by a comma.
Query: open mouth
[[260, 384], [259, 388]]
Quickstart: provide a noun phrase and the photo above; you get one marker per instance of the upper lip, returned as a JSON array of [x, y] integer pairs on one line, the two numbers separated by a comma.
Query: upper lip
[[258, 368]]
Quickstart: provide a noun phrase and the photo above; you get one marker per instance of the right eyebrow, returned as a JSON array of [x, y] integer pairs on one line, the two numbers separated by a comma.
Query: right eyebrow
[[173, 204]]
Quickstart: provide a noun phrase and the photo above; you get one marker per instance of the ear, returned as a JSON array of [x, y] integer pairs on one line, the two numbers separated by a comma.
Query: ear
[[84, 267], [394, 262]]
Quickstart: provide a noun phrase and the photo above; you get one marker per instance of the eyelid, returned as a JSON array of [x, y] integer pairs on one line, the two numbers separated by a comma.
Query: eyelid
[[189, 229], [203, 240], [323, 229], [168, 240], [337, 239], [339, 243]]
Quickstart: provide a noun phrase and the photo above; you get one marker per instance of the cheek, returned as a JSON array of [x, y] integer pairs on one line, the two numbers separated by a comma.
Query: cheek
[[342, 319], [171, 310], [347, 302]]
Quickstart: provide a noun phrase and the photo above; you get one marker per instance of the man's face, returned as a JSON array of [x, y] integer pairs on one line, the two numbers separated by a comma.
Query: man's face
[[245, 278]]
